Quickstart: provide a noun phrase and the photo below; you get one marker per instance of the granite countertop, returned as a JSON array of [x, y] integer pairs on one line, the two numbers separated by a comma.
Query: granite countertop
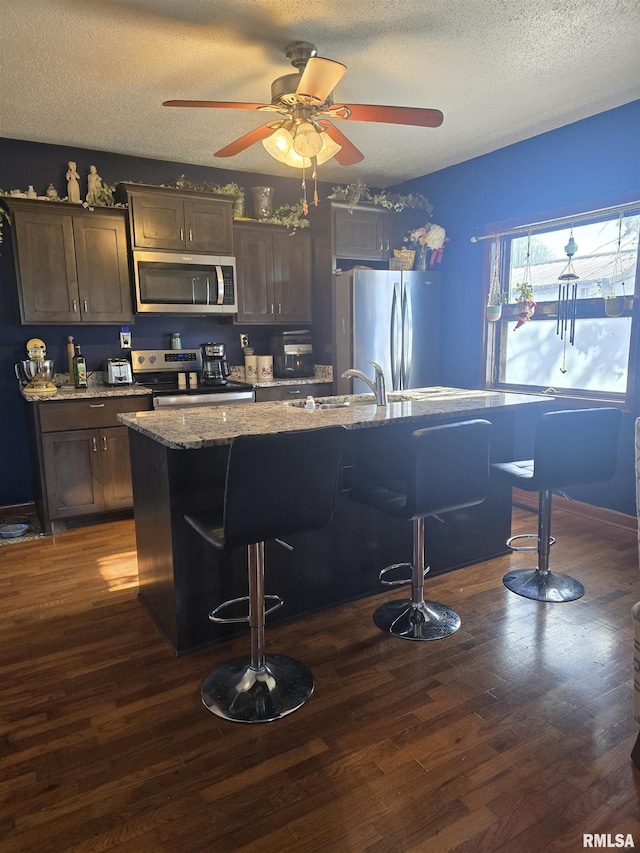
[[196, 427], [69, 392], [66, 391]]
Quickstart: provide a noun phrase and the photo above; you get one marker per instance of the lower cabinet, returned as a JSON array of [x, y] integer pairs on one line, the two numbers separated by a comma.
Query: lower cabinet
[[84, 465], [293, 392]]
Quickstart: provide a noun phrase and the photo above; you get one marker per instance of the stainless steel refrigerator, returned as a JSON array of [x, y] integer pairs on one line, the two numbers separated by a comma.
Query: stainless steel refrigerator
[[392, 318]]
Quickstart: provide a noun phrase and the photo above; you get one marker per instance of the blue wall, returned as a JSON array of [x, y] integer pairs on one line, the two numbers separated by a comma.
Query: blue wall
[[581, 166]]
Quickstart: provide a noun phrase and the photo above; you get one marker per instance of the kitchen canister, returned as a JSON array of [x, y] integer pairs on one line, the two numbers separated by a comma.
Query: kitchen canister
[[251, 368], [265, 367]]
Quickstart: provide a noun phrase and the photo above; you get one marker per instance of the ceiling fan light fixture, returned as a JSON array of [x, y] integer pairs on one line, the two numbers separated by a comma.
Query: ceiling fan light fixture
[[280, 145]]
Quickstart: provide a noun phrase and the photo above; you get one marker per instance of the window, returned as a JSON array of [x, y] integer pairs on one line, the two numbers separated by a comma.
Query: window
[[586, 352]]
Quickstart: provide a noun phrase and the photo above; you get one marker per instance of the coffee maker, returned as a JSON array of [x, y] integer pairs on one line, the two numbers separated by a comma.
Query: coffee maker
[[215, 367]]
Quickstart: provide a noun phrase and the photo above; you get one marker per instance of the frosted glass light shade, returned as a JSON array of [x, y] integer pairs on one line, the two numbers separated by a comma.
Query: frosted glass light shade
[[307, 141], [280, 146]]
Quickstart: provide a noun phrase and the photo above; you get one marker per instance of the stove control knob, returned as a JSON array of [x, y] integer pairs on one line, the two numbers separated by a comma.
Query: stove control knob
[[140, 359], [152, 359]]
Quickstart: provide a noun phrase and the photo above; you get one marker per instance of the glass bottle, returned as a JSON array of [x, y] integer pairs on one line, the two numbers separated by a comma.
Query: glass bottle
[[175, 342], [79, 369]]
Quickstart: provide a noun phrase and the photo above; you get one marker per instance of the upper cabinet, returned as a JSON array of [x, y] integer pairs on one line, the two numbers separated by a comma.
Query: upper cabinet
[[71, 263], [179, 220], [362, 233], [274, 275]]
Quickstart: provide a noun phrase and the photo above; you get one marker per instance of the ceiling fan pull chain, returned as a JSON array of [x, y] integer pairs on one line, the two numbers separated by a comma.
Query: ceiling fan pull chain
[[305, 206], [314, 163]]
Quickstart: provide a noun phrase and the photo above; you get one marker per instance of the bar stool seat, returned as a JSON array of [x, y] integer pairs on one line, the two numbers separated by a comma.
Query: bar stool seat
[[276, 485], [571, 448], [445, 468]]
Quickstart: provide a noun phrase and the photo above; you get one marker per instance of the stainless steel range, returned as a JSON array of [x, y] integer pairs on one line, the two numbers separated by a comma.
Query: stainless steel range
[[175, 377]]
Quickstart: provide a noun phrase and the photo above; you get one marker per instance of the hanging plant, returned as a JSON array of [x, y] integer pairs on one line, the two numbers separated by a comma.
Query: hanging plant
[[614, 304], [496, 297], [524, 291]]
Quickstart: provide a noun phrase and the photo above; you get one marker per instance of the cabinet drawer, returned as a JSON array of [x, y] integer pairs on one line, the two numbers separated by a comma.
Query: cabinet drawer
[[293, 392], [86, 414]]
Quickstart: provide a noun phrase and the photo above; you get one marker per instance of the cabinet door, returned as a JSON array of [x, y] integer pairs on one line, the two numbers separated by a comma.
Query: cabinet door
[[359, 234], [292, 278], [208, 227], [158, 221], [73, 473], [46, 266], [116, 468], [254, 267], [102, 267]]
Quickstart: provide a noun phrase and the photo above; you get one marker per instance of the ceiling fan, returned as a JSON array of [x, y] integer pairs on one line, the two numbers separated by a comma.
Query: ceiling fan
[[305, 136]]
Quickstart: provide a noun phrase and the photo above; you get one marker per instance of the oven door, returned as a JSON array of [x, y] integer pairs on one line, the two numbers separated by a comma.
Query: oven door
[[219, 398], [173, 283]]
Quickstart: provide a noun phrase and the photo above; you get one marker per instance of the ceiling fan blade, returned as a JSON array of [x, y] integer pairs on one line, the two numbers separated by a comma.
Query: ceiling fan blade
[[246, 141], [319, 79], [221, 105], [348, 154], [392, 115]]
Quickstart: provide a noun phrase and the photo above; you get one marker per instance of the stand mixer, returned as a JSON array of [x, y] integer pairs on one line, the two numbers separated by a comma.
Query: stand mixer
[[37, 371]]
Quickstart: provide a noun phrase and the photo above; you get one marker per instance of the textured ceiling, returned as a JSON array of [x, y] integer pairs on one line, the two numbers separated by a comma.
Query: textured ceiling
[[94, 73]]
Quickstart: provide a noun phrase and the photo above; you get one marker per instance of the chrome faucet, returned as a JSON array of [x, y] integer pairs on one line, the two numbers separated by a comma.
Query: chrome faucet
[[377, 386]]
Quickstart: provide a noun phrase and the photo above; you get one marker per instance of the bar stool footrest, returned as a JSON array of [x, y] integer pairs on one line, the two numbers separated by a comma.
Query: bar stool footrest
[[400, 581], [224, 620], [535, 536], [543, 586], [426, 620], [238, 692]]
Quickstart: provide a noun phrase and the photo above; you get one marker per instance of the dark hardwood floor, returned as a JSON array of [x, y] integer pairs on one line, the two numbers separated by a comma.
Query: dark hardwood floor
[[513, 735]]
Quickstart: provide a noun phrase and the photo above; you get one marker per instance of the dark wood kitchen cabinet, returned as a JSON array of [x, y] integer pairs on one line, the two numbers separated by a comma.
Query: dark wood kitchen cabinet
[[71, 263], [298, 391], [83, 455], [274, 275], [179, 220], [364, 233]]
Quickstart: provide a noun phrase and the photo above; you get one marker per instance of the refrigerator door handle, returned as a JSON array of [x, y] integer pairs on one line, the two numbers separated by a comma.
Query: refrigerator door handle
[[396, 339], [407, 339]]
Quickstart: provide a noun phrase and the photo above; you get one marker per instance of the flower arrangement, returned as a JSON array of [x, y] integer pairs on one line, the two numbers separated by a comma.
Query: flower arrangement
[[429, 236]]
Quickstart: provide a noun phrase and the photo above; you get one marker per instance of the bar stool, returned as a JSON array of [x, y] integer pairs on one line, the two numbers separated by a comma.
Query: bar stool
[[444, 468], [571, 448], [276, 485]]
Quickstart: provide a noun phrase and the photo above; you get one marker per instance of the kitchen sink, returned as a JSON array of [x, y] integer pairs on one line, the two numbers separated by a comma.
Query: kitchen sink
[[346, 401]]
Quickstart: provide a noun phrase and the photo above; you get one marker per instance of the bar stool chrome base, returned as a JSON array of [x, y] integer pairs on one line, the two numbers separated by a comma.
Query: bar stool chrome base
[[543, 586], [239, 692], [426, 620]]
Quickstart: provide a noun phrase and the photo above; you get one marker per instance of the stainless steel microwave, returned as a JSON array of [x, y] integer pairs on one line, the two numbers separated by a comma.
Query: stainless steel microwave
[[182, 283]]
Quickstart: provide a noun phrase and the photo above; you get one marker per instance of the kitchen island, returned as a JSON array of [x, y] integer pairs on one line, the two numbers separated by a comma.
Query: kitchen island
[[178, 462]]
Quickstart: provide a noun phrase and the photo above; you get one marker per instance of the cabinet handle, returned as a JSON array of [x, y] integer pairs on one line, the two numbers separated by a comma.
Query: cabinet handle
[[386, 245], [86, 307], [74, 306], [181, 234], [294, 392], [380, 245], [95, 446], [271, 307], [279, 308], [96, 405], [104, 442], [190, 235]]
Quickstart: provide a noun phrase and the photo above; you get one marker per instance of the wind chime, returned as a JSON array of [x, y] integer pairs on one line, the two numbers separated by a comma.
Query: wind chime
[[567, 301]]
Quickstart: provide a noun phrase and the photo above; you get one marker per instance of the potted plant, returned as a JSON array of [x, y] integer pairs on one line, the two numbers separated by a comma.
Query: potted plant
[[495, 301], [526, 305], [614, 305]]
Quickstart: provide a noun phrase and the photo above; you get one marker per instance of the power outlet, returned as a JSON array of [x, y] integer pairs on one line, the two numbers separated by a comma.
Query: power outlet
[[125, 338], [244, 341]]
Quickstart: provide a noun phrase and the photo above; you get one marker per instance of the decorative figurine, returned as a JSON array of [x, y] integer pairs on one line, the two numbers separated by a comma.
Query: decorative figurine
[[73, 187], [94, 185], [51, 192]]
